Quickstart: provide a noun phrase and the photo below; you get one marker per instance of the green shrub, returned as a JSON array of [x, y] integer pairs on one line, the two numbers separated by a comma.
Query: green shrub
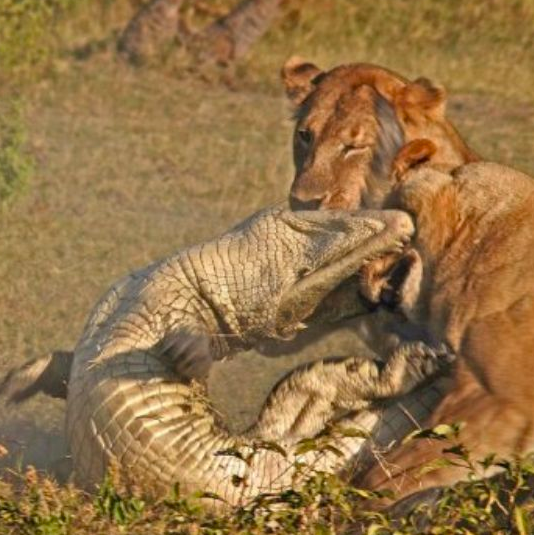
[[16, 164], [114, 506], [27, 32], [321, 504]]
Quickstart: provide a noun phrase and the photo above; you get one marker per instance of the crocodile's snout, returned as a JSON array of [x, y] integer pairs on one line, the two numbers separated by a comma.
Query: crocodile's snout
[[396, 222]]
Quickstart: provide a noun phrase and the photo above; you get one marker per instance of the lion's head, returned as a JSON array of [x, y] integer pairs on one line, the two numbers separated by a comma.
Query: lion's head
[[351, 122]]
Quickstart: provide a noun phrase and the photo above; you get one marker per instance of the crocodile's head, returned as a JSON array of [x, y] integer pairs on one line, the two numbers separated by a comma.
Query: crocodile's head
[[282, 264]]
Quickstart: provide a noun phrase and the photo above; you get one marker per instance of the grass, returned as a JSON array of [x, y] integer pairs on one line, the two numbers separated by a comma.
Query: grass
[[129, 165], [31, 503], [476, 46]]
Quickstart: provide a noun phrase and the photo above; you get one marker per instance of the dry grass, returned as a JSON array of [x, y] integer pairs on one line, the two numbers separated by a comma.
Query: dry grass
[[132, 165]]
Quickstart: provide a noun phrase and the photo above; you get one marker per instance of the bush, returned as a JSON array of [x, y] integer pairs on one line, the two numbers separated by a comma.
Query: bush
[[321, 504], [26, 32], [16, 164]]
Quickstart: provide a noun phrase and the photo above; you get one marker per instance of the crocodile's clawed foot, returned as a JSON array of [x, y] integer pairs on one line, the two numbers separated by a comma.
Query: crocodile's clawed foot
[[420, 360], [433, 359], [409, 366]]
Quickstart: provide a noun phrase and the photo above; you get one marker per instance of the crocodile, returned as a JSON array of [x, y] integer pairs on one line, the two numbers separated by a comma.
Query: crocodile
[[133, 396]]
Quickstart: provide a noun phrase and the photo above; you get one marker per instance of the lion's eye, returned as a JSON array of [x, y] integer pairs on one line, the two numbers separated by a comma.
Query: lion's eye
[[351, 150], [305, 136]]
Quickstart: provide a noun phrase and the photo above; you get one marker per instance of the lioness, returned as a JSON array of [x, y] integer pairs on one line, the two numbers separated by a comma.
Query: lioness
[[351, 122], [475, 238], [476, 241]]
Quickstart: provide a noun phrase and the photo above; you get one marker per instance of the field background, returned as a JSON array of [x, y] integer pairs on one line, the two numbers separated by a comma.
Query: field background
[[131, 164]]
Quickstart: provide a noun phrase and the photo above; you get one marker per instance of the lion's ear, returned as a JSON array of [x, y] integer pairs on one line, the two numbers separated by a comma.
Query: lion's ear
[[424, 95], [298, 76], [412, 154]]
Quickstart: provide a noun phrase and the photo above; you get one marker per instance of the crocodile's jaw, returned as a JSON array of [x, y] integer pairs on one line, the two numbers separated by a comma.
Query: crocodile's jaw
[[302, 299]]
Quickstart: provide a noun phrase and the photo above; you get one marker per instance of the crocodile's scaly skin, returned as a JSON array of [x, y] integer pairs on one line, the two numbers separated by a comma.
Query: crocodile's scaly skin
[[128, 401]]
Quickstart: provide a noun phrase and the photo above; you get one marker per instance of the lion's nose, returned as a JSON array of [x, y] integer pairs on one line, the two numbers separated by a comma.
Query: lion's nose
[[305, 194], [297, 204]]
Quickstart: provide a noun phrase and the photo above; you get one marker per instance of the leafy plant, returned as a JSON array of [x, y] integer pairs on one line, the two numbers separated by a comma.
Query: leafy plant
[[321, 503], [41, 510], [113, 505]]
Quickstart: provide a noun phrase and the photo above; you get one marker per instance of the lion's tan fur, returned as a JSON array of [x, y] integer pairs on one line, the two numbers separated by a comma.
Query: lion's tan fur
[[476, 239], [475, 235], [350, 123]]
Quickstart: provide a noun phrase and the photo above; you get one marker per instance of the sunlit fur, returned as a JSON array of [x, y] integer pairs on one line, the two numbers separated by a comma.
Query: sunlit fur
[[358, 116], [476, 242]]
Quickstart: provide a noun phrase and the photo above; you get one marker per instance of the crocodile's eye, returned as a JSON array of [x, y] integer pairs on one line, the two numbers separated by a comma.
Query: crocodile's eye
[[350, 149], [304, 272], [305, 136]]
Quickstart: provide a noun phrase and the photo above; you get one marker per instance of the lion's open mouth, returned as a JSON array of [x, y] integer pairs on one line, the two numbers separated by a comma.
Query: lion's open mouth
[[383, 280], [392, 281]]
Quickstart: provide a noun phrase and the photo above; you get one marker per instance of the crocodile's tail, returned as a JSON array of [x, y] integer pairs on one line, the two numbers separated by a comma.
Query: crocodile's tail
[[49, 375]]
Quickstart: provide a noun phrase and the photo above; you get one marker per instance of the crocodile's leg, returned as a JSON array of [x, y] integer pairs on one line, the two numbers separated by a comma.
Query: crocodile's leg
[[304, 402]]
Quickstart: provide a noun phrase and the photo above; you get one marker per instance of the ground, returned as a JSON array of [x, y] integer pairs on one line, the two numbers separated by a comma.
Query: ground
[[133, 164]]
